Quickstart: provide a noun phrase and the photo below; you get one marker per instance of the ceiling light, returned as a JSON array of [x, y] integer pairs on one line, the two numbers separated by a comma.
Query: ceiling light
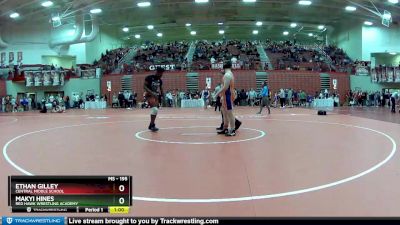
[[144, 4], [159, 35], [47, 3], [255, 31], [393, 53], [249, 1], [150, 27], [259, 23], [350, 8], [125, 29], [14, 15], [387, 16], [71, 32], [193, 32], [293, 25], [310, 34], [220, 23], [393, 1], [368, 23], [286, 33], [188, 24], [305, 2], [321, 27], [137, 36], [221, 32], [55, 18], [96, 11], [201, 1]]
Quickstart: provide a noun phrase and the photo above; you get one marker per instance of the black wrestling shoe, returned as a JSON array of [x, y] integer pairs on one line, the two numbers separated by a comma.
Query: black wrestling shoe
[[237, 124], [230, 134], [224, 131], [153, 128]]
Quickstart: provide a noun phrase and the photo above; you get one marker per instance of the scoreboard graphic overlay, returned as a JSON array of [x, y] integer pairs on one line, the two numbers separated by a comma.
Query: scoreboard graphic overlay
[[74, 194]]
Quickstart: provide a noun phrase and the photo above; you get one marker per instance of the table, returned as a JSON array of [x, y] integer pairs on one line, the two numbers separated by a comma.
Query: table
[[192, 103], [323, 103], [96, 105]]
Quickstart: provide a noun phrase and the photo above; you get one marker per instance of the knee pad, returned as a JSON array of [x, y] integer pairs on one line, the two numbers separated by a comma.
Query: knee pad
[[154, 111]]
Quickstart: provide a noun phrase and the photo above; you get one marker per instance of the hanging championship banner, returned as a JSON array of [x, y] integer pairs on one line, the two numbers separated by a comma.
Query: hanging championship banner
[[62, 78], [374, 76], [11, 57], [379, 75], [3, 59], [46, 79], [29, 79], [38, 79], [389, 72], [384, 74], [19, 57], [396, 74], [56, 78]]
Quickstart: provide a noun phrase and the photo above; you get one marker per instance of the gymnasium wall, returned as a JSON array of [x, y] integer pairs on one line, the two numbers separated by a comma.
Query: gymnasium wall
[[3, 90], [298, 80], [386, 59], [171, 80], [380, 39], [244, 79], [105, 40], [349, 38]]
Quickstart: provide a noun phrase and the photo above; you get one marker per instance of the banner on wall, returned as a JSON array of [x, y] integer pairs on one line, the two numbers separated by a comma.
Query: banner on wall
[[220, 66], [374, 76], [29, 79], [335, 83], [3, 59], [62, 78], [11, 57], [55, 77], [383, 74], [109, 86], [38, 79], [19, 57], [47, 78], [362, 71], [166, 67], [396, 74], [208, 82], [390, 74]]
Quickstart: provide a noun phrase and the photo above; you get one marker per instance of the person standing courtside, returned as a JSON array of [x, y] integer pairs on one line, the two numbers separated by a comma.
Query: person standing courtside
[[153, 89], [218, 98], [264, 98]]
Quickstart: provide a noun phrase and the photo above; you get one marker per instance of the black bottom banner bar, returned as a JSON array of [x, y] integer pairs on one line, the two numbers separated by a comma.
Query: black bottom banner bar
[[244, 221]]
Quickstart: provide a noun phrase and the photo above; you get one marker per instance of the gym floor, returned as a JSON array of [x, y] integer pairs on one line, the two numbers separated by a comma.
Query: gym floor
[[289, 163]]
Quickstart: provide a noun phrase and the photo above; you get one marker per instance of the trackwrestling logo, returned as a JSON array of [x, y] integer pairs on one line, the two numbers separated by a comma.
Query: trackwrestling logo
[[34, 220]]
